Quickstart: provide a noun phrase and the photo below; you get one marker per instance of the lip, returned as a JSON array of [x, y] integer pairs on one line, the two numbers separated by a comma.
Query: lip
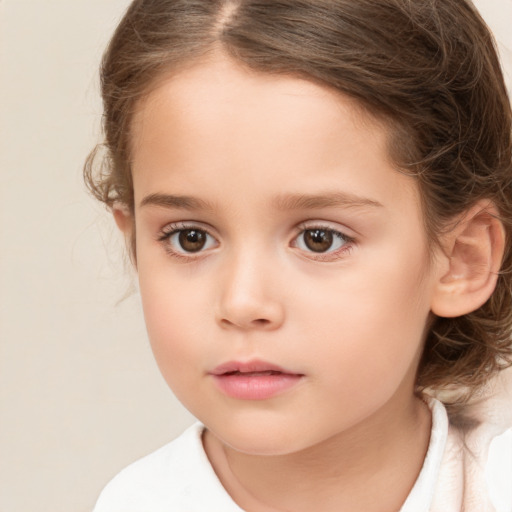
[[253, 380]]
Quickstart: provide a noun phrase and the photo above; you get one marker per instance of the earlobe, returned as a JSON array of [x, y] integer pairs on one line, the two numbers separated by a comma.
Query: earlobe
[[473, 251]]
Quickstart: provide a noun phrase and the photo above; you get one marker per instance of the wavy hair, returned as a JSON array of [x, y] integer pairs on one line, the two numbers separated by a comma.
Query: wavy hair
[[427, 68]]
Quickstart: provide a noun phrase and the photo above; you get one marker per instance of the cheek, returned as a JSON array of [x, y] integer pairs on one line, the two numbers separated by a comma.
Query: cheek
[[172, 322], [369, 327]]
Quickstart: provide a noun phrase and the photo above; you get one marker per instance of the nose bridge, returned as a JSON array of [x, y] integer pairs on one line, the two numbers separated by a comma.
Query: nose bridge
[[249, 296]]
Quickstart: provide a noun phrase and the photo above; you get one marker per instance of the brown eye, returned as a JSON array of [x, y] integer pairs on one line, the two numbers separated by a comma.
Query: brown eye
[[318, 240], [182, 241], [322, 240], [192, 240]]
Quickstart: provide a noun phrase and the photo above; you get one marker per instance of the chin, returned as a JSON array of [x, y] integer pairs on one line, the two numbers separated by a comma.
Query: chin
[[259, 437], [263, 447]]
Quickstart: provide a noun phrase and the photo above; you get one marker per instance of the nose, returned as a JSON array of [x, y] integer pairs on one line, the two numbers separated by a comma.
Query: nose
[[250, 298]]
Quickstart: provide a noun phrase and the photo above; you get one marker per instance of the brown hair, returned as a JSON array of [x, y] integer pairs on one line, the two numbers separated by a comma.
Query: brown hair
[[428, 68]]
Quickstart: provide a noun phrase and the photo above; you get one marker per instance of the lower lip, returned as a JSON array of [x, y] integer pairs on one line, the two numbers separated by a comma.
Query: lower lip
[[255, 387]]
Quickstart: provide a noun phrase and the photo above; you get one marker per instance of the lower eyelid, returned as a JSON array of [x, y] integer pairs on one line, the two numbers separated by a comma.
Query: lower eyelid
[[340, 254], [168, 232], [171, 229], [329, 255]]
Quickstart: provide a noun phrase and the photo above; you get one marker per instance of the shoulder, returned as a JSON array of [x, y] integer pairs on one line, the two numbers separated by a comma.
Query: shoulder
[[488, 466], [176, 477], [498, 471], [478, 464], [465, 470]]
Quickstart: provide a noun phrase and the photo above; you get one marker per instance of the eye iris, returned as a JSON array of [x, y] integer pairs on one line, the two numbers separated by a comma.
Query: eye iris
[[318, 240], [192, 240]]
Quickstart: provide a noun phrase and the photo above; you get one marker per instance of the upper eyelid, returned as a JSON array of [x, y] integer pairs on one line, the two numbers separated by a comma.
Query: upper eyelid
[[328, 226], [347, 238], [173, 227], [165, 235], [329, 256]]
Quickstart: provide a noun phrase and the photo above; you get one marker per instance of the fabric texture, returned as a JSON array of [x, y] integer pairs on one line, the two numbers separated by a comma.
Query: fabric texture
[[179, 478], [176, 478]]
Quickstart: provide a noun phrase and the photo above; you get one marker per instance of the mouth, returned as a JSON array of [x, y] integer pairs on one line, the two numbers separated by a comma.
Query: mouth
[[253, 380], [254, 374], [250, 367]]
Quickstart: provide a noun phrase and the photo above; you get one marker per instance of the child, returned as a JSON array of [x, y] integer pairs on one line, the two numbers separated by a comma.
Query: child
[[317, 196]]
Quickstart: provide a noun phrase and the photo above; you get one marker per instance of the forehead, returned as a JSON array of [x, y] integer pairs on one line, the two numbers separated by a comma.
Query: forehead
[[220, 92], [218, 121]]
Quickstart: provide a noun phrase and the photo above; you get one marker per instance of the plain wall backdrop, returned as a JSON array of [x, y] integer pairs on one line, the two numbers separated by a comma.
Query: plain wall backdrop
[[80, 395]]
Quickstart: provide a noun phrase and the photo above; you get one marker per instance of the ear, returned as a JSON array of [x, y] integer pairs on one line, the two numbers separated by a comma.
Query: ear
[[123, 218], [471, 259], [126, 224]]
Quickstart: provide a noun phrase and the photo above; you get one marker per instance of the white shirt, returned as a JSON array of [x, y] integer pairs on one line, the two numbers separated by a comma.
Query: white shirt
[[179, 477]]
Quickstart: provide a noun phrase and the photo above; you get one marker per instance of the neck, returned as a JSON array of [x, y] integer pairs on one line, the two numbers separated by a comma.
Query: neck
[[371, 467]]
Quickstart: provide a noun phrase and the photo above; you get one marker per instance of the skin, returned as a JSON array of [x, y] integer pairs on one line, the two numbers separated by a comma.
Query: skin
[[351, 435]]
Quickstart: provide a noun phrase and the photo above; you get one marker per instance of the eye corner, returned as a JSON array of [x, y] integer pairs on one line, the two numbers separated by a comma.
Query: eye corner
[[321, 242], [186, 241]]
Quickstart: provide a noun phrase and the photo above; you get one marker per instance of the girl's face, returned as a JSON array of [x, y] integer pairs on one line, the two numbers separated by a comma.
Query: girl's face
[[282, 259]]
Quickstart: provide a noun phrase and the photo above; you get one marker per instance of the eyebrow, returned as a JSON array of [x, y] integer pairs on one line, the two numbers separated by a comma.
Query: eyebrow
[[174, 201], [327, 200], [281, 202]]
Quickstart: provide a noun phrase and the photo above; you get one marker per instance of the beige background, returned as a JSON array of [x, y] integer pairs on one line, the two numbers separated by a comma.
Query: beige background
[[80, 396]]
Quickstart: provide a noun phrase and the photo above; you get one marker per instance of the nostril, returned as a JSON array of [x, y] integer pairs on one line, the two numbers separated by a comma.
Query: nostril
[[254, 324], [261, 321], [245, 315]]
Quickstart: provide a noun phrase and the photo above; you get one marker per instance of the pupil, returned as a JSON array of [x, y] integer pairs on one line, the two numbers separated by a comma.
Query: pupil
[[318, 240], [192, 240]]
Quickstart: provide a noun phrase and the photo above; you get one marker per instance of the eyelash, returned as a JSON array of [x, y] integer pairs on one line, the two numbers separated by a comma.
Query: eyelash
[[330, 255], [171, 230], [174, 229]]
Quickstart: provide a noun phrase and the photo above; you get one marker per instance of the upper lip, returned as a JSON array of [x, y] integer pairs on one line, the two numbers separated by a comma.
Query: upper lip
[[249, 367]]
